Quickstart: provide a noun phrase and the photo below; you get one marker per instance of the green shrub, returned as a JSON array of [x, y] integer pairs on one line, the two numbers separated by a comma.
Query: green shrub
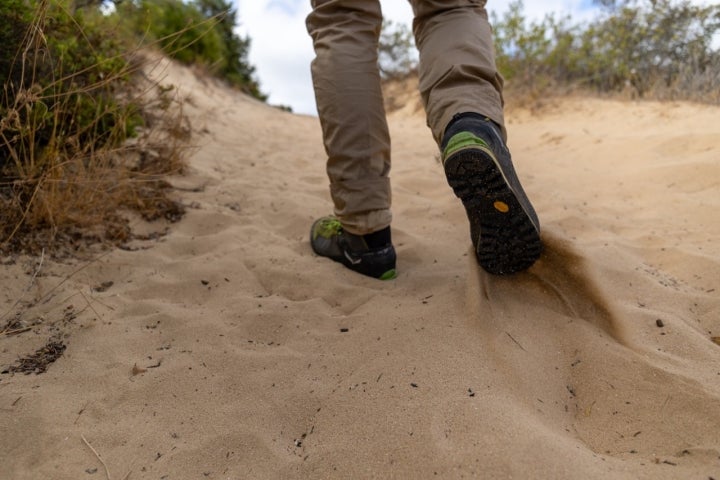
[[396, 58], [66, 114], [660, 48], [196, 32], [61, 90], [182, 31], [653, 46], [70, 105], [16, 16], [237, 69]]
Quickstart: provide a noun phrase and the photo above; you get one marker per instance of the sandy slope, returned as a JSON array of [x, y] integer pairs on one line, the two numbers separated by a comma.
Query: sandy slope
[[236, 330]]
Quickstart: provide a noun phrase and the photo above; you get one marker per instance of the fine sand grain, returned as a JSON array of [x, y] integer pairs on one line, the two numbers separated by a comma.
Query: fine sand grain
[[228, 350]]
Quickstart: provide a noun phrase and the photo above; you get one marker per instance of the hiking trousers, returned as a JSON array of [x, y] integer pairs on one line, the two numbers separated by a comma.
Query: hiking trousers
[[456, 72]]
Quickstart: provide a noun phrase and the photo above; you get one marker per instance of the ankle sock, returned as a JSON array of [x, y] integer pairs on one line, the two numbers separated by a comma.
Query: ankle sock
[[378, 239]]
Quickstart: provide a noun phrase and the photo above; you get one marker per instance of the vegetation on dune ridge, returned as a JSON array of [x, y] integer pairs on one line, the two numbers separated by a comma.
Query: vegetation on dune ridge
[[82, 142], [653, 49], [83, 136], [199, 32]]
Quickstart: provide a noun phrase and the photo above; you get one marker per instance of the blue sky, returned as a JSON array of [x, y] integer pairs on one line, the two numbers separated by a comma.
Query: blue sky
[[281, 49]]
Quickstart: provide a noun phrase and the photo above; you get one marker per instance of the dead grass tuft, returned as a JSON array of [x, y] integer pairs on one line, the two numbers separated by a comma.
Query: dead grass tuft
[[81, 148]]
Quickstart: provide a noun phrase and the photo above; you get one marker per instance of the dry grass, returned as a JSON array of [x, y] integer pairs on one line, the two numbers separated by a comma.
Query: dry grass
[[66, 183]]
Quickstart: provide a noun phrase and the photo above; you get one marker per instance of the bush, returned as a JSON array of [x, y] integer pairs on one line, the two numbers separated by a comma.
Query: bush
[[657, 48], [396, 51], [237, 69], [78, 141], [196, 32], [67, 114], [16, 17]]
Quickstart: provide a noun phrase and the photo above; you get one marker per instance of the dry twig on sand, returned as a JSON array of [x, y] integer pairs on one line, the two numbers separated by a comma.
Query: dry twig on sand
[[107, 472]]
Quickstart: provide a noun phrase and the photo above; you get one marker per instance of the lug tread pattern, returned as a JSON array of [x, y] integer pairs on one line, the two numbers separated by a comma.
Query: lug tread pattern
[[505, 243]]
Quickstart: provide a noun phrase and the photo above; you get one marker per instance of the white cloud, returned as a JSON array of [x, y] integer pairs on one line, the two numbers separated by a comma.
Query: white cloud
[[281, 50]]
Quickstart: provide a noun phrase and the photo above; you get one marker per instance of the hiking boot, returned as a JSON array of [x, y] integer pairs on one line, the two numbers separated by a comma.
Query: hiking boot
[[372, 255], [504, 227]]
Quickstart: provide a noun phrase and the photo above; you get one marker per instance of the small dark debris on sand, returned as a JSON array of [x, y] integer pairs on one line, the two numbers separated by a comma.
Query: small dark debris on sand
[[39, 361], [103, 287]]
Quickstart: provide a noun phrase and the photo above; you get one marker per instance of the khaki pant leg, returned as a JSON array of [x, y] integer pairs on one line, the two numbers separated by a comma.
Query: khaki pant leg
[[457, 61], [350, 104]]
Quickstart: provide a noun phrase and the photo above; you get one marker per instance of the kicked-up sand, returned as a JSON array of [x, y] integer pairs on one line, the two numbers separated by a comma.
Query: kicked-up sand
[[228, 350]]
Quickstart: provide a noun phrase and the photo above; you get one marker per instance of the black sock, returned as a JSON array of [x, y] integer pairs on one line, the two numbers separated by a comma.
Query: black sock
[[378, 239]]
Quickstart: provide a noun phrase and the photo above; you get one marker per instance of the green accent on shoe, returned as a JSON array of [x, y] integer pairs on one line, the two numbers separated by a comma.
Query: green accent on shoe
[[327, 227], [504, 227], [389, 275], [329, 239], [463, 140]]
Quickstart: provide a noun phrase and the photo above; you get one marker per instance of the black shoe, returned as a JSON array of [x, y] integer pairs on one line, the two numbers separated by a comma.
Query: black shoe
[[372, 255], [503, 224]]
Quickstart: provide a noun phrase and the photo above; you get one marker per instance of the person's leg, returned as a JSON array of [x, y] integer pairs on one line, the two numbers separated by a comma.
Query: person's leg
[[457, 62], [352, 115], [462, 93], [345, 74]]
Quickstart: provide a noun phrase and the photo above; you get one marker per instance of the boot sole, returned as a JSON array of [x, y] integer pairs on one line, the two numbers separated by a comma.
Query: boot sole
[[508, 241]]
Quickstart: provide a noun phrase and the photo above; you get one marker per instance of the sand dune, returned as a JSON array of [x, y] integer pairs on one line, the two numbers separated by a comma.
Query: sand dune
[[228, 350]]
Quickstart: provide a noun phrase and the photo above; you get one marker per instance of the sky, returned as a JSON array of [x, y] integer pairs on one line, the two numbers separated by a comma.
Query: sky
[[281, 48]]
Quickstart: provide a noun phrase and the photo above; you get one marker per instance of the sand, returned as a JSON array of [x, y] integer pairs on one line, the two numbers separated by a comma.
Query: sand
[[228, 350]]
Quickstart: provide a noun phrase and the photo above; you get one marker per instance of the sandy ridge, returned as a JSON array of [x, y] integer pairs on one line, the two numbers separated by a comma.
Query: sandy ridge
[[228, 350]]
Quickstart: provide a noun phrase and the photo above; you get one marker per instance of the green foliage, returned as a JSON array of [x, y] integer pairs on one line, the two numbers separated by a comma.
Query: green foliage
[[196, 32], [15, 17], [64, 73], [396, 58], [66, 112], [181, 31], [659, 47], [70, 106], [532, 50], [237, 69]]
